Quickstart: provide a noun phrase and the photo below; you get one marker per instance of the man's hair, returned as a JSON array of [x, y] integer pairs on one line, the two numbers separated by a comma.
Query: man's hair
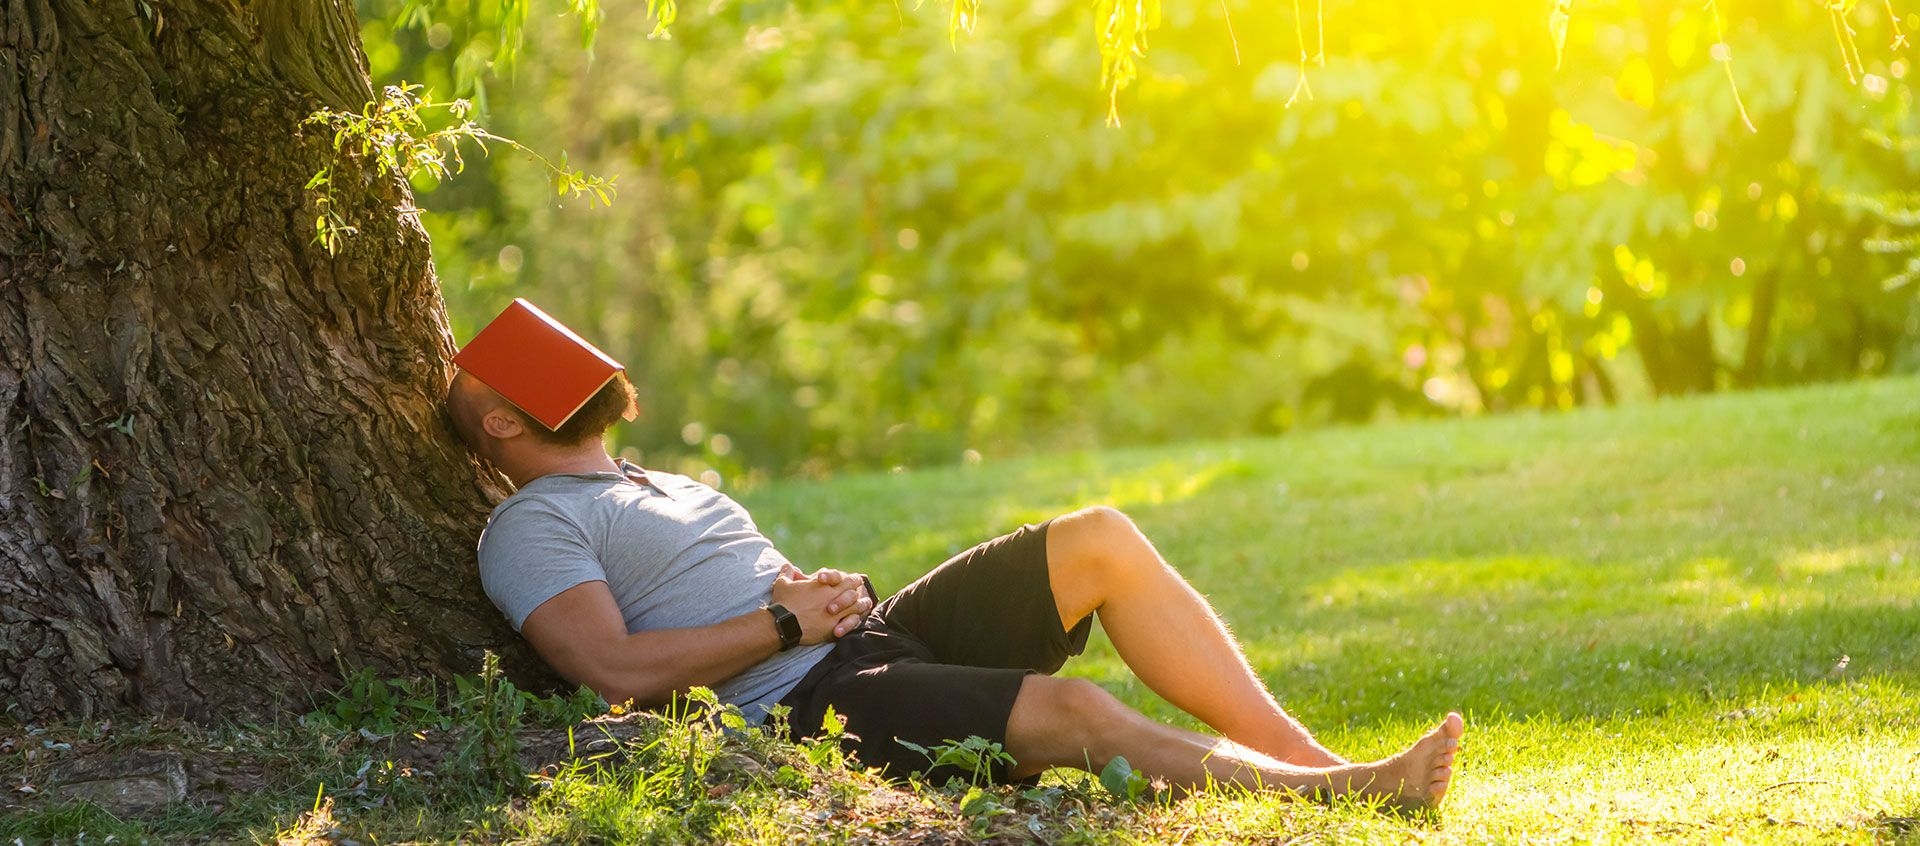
[[615, 401]]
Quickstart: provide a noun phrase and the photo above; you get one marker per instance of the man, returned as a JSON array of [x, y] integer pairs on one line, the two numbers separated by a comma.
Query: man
[[641, 584]]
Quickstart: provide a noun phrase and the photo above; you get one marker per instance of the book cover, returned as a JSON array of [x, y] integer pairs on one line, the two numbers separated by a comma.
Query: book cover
[[537, 363]]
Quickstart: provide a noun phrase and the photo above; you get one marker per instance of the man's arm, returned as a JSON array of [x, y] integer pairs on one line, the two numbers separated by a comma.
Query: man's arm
[[581, 634]]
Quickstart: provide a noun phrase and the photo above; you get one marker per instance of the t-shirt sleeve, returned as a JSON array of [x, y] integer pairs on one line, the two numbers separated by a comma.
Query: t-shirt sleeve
[[529, 553]]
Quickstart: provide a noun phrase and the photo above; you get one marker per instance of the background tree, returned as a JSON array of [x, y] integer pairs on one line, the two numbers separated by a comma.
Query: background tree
[[844, 242]]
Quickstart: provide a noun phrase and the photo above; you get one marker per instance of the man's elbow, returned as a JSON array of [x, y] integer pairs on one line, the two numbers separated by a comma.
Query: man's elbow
[[629, 688], [634, 697]]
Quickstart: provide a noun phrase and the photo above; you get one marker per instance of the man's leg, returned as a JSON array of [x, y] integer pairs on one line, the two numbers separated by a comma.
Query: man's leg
[[1097, 561], [1075, 723]]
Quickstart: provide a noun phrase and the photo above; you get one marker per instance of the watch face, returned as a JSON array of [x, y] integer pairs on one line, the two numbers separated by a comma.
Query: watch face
[[787, 624]]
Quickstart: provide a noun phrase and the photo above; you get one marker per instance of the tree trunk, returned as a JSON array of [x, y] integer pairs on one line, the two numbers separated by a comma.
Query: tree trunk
[[224, 475], [1766, 293], [1594, 371], [1693, 350]]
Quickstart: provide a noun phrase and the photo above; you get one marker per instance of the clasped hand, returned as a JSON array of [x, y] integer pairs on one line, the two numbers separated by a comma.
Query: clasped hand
[[829, 603]]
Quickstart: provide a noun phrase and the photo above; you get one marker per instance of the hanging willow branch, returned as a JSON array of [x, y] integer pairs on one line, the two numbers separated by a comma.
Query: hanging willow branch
[[1843, 35], [396, 134], [1320, 53], [1225, 13], [961, 18], [1724, 55], [1847, 39], [1557, 27], [1121, 27]]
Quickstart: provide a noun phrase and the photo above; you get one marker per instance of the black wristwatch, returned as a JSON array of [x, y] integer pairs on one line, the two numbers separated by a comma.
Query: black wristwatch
[[787, 625]]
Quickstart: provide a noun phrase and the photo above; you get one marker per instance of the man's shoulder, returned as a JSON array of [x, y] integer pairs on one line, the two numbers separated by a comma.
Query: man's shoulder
[[556, 495], [527, 513], [523, 504]]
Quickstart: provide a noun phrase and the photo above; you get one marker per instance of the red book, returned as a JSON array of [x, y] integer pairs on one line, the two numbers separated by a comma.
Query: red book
[[537, 364]]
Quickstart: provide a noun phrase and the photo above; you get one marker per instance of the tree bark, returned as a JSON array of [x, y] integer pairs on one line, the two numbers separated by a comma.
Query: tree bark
[[224, 475]]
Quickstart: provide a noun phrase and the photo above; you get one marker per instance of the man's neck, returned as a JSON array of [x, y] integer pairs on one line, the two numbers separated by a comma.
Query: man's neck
[[588, 457]]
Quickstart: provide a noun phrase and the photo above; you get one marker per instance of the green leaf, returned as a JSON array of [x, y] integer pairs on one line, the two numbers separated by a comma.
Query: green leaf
[[791, 779], [981, 803], [664, 13], [1114, 776]]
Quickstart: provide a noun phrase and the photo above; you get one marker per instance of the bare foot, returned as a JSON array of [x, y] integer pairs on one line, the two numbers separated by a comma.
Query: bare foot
[[1417, 777]]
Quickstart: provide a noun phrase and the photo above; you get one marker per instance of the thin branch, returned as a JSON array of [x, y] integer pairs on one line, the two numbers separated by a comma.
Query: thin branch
[[1724, 55], [1833, 16], [1320, 24], [1236, 40], [1300, 35], [1853, 43], [1557, 23]]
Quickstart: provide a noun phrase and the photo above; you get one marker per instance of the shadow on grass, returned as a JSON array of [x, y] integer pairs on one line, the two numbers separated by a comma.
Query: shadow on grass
[[1903, 829]]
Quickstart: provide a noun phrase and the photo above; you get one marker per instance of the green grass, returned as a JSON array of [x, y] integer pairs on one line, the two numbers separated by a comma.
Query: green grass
[[1695, 620], [1642, 611]]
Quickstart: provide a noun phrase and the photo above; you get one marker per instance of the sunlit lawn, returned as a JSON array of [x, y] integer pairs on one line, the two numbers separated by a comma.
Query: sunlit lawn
[[1693, 619]]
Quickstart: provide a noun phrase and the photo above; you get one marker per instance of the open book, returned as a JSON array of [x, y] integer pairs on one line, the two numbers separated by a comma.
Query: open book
[[539, 365]]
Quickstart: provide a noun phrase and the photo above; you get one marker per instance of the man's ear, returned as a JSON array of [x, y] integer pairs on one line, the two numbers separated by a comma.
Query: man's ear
[[502, 424]]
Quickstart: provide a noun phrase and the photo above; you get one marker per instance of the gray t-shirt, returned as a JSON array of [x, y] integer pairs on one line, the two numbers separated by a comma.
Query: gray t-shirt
[[673, 552]]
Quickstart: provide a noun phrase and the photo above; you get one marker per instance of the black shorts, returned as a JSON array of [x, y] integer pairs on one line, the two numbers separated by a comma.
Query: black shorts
[[943, 659]]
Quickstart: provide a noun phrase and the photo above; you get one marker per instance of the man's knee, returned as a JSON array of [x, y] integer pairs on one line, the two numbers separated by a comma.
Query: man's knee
[[1099, 520], [1088, 705], [1064, 722], [1102, 543]]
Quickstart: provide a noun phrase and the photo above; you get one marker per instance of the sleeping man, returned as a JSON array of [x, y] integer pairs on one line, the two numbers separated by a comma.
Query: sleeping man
[[642, 584]]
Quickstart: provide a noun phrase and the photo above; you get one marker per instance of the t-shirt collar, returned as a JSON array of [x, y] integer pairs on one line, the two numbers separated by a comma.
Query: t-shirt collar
[[629, 472], [638, 475]]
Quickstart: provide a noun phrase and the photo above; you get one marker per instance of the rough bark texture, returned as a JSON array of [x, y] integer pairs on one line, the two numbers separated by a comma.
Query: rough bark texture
[[224, 475]]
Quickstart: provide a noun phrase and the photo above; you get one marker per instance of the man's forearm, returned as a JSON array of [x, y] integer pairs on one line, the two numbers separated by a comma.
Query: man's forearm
[[581, 634], [649, 667]]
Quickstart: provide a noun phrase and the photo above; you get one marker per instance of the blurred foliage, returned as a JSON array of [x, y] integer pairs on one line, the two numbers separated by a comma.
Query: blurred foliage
[[842, 241]]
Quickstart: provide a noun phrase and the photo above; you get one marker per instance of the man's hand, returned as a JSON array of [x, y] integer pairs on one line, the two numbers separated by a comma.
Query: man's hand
[[829, 603], [862, 586]]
